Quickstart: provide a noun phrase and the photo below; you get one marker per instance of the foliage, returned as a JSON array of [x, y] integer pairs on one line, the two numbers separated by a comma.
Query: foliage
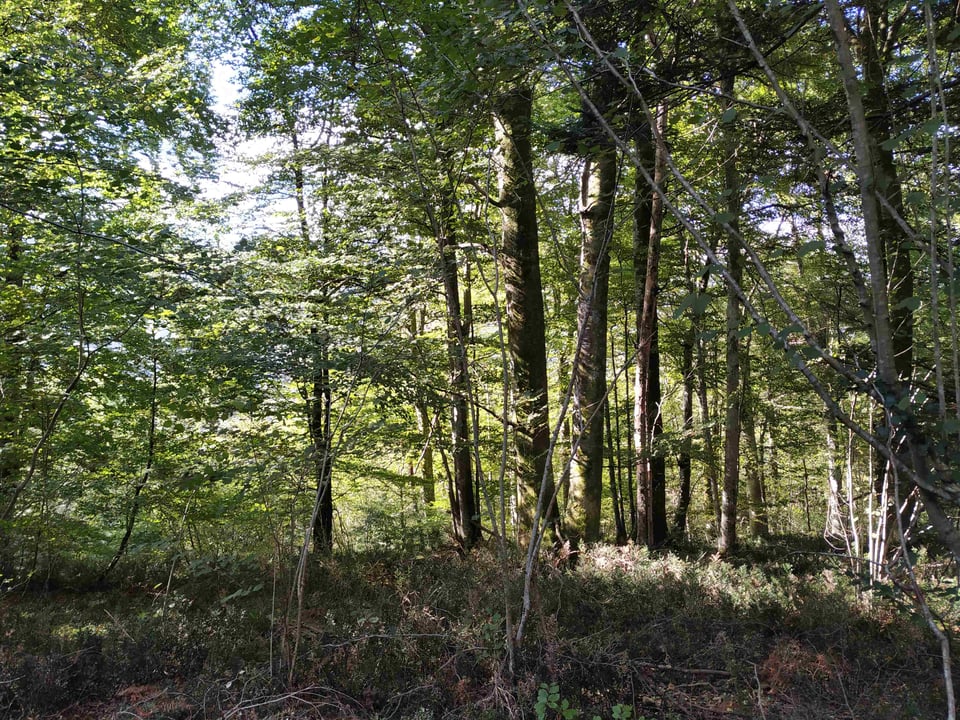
[[167, 337], [391, 632]]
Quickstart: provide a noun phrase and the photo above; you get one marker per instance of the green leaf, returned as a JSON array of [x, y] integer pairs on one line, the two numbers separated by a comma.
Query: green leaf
[[729, 115], [915, 197], [810, 246], [696, 302], [911, 303]]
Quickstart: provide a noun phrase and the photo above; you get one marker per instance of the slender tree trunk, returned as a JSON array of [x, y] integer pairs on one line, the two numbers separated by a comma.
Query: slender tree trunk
[[616, 450], [597, 191], [711, 471], [684, 460], [834, 526], [732, 424], [319, 396], [466, 521], [615, 498], [318, 409], [759, 527], [424, 424], [142, 480], [526, 332], [648, 422], [895, 244]]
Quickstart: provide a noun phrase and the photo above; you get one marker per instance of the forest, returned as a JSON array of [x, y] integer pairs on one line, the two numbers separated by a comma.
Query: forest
[[527, 359]]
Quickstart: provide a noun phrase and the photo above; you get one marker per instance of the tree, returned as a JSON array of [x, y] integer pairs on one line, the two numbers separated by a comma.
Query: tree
[[88, 110], [525, 315], [648, 416], [598, 187]]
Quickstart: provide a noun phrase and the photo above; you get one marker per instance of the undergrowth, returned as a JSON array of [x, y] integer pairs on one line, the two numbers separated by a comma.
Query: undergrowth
[[626, 634]]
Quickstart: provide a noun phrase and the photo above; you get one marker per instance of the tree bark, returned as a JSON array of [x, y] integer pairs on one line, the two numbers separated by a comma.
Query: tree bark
[[759, 527], [597, 191], [648, 421], [732, 423], [466, 521], [834, 528], [526, 333], [424, 424], [684, 459]]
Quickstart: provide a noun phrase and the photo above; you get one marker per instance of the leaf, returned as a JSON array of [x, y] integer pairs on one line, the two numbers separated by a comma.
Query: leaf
[[729, 115], [810, 246], [790, 330], [911, 303], [915, 197]]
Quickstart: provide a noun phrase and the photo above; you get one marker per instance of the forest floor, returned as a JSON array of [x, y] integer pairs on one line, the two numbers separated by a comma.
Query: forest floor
[[626, 634]]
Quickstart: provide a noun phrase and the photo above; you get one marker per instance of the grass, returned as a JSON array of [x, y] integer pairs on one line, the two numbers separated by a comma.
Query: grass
[[625, 633]]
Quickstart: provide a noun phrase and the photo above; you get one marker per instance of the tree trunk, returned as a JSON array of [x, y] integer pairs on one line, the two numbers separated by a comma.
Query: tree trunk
[[597, 191], [895, 244], [526, 334], [758, 510], [318, 410], [319, 397], [834, 529], [141, 481], [614, 445], [684, 460], [648, 422], [616, 500], [424, 424], [466, 521], [732, 424]]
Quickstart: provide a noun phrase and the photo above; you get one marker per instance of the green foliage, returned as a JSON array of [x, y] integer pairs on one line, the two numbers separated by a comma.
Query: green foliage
[[550, 705], [422, 635]]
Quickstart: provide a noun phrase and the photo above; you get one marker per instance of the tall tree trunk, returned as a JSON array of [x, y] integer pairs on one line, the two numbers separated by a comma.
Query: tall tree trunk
[[526, 334], [834, 529], [758, 509], [466, 521], [873, 41], [318, 412], [684, 460], [732, 424], [895, 245], [319, 395], [615, 498], [597, 190], [648, 422], [142, 480], [701, 389], [424, 424], [614, 446], [706, 423]]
